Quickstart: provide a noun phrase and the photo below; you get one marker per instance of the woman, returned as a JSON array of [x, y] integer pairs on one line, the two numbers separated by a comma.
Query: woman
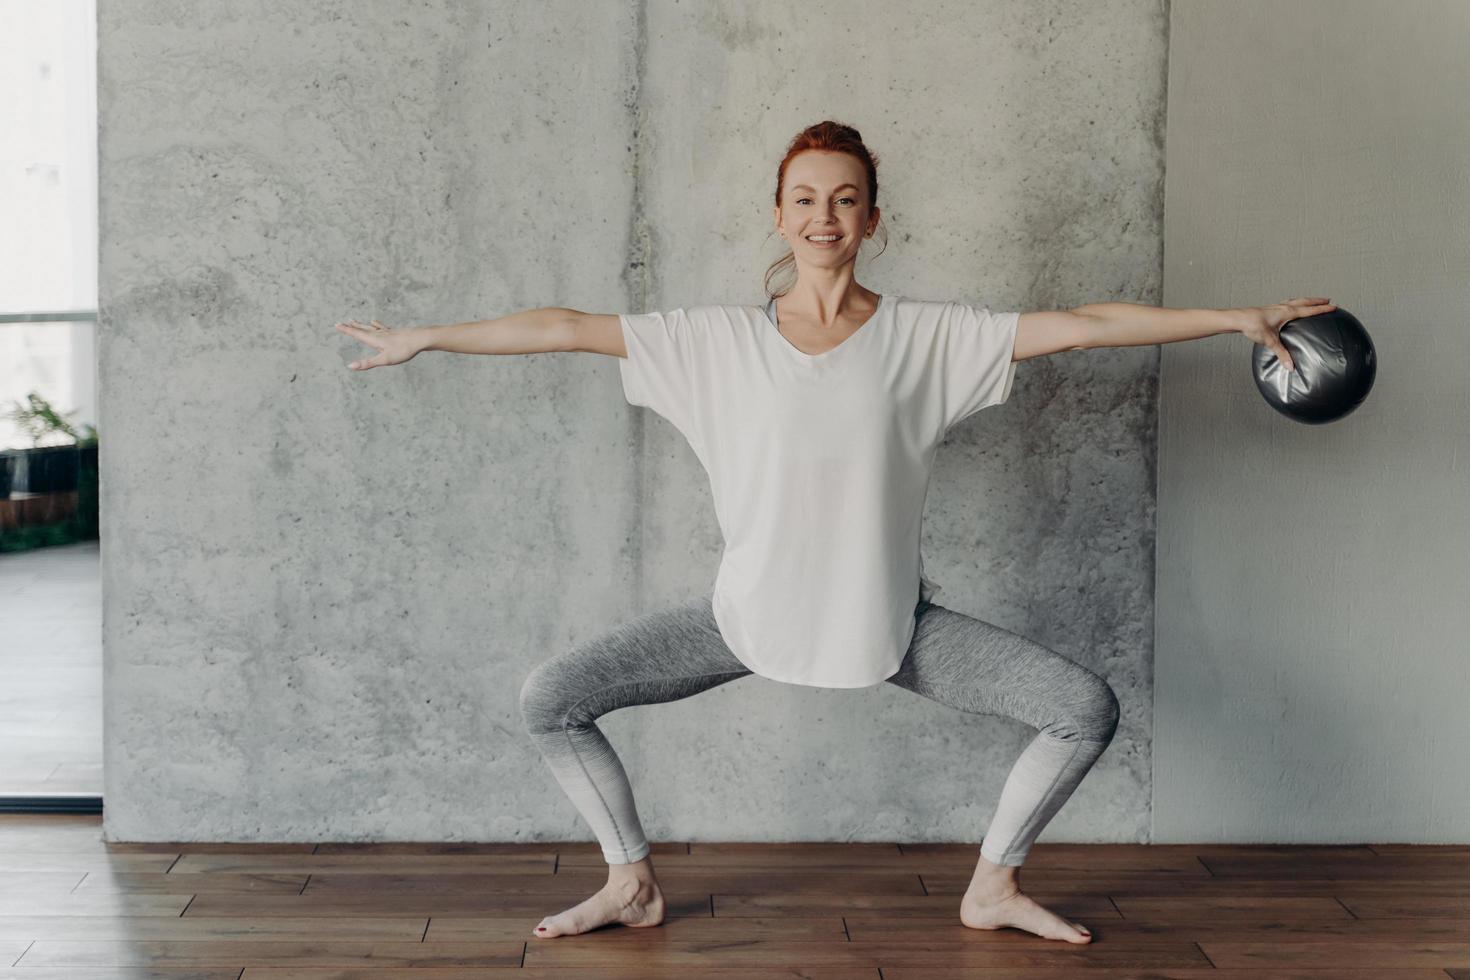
[[817, 419]]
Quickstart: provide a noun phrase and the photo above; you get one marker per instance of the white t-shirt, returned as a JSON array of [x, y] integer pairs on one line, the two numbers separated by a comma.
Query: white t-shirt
[[819, 466]]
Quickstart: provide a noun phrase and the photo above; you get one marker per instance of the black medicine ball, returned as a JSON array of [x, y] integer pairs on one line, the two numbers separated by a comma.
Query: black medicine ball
[[1335, 366]]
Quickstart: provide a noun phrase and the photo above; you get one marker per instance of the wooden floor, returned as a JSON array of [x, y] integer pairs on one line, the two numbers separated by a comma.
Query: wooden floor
[[74, 907]]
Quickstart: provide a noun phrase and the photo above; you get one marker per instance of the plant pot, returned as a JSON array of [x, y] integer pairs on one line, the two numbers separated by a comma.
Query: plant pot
[[51, 499], [47, 469], [87, 493]]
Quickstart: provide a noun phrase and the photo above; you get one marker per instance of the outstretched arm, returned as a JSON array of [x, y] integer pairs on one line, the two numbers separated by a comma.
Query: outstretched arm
[[544, 330], [1132, 325], [538, 331]]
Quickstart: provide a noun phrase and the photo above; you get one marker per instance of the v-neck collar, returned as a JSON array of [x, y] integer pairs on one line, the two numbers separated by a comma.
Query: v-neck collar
[[803, 356]]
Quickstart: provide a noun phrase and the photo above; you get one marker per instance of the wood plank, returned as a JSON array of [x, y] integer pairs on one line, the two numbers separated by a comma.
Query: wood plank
[[81, 833], [121, 973], [536, 906], [1230, 909], [1123, 883], [1255, 973], [931, 906], [559, 973], [92, 903], [1142, 932], [40, 882], [1345, 953], [200, 927], [468, 884], [972, 949], [1271, 867], [1069, 855], [83, 863], [735, 855], [130, 883], [208, 847], [163, 953], [313, 864], [684, 864], [1366, 906], [53, 831], [526, 851], [1179, 858], [703, 858], [823, 928], [1432, 850]]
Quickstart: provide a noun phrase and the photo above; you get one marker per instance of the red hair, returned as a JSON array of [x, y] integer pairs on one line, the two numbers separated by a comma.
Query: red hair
[[834, 137]]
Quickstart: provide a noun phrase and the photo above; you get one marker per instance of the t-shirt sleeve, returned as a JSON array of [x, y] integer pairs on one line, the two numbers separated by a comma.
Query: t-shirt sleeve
[[659, 371], [975, 367]]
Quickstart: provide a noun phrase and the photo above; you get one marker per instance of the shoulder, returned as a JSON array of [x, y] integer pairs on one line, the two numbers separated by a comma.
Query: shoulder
[[931, 313], [698, 323], [706, 314], [712, 314], [951, 314], [938, 307], [918, 308]]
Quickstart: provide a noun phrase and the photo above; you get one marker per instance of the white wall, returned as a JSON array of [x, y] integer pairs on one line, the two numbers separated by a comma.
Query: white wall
[[1313, 597]]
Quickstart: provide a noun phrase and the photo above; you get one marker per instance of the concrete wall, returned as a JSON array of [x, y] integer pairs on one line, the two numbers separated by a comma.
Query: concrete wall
[[323, 589], [1312, 614]]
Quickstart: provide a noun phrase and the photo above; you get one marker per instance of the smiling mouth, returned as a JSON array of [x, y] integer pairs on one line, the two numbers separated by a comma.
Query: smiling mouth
[[832, 241]]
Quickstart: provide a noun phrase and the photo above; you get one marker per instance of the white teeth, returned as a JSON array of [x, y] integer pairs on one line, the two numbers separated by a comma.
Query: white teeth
[[823, 238]]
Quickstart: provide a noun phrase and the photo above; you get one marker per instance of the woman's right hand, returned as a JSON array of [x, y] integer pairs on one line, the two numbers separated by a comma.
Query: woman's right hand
[[394, 346]]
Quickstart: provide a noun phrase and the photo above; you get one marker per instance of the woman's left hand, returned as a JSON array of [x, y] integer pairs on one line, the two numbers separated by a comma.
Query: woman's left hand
[[1262, 324]]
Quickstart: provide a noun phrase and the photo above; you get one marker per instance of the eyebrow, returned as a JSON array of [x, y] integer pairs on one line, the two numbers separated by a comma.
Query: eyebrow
[[807, 187]]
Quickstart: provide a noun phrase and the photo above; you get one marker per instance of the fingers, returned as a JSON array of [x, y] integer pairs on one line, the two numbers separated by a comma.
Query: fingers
[[1312, 305], [352, 328]]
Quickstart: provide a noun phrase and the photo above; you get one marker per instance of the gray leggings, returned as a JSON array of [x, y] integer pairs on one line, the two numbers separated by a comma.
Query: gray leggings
[[954, 659]]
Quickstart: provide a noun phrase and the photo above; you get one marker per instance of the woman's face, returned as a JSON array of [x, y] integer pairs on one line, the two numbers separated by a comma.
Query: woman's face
[[826, 194]]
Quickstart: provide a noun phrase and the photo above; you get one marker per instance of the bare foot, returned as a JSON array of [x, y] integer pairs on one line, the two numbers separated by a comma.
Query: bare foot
[[633, 903], [996, 910]]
